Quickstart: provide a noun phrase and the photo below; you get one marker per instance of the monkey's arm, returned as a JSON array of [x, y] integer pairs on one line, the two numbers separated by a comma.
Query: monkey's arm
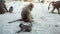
[[5, 8]]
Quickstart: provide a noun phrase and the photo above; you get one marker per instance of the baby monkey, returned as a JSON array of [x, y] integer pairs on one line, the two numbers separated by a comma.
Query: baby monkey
[[26, 27]]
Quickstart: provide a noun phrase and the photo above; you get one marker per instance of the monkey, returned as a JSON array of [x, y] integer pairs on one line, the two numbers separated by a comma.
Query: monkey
[[26, 27], [56, 5], [26, 14], [10, 9], [3, 8]]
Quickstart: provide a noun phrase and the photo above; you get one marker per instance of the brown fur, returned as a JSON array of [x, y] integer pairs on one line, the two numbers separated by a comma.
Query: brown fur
[[2, 7], [26, 13]]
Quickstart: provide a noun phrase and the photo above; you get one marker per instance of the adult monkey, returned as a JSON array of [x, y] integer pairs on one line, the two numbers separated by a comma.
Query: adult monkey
[[56, 5], [26, 14], [3, 8]]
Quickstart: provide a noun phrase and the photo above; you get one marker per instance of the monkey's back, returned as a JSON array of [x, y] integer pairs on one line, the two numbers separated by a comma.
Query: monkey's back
[[25, 14]]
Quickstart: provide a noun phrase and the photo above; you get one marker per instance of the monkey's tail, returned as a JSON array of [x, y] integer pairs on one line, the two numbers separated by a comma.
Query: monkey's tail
[[49, 5], [19, 31], [16, 20]]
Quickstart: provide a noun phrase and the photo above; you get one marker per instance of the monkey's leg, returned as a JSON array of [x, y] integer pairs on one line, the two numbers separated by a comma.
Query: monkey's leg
[[58, 11], [53, 9], [30, 16]]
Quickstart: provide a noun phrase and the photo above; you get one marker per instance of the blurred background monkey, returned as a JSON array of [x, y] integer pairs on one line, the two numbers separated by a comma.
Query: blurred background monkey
[[56, 5], [3, 8]]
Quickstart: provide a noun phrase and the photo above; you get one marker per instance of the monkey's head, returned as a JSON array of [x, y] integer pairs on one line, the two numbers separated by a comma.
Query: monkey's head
[[11, 7], [26, 26], [30, 6]]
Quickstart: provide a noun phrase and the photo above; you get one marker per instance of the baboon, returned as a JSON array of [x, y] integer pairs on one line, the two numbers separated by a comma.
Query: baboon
[[56, 5], [26, 14], [26, 27], [3, 8]]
